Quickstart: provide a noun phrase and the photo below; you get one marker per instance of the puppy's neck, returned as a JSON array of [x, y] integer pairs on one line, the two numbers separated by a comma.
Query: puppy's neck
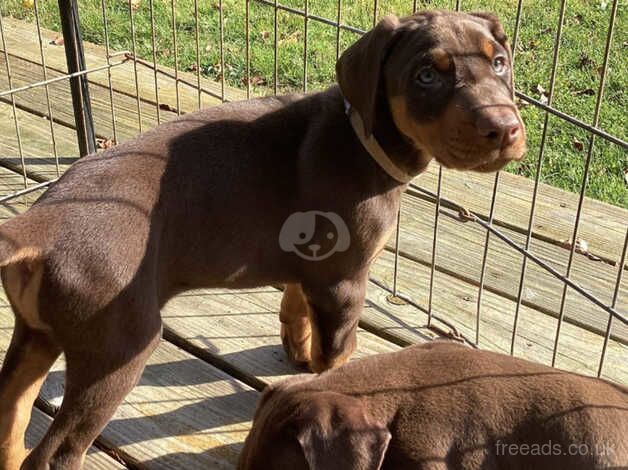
[[393, 152], [401, 150]]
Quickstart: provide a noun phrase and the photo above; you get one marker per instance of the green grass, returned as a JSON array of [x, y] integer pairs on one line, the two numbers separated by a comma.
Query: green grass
[[578, 77]]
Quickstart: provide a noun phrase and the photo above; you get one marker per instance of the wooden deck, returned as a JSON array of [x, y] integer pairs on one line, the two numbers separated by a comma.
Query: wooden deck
[[193, 405]]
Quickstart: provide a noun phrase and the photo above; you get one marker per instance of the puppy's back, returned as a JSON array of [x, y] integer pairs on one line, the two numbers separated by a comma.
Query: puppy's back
[[457, 404]]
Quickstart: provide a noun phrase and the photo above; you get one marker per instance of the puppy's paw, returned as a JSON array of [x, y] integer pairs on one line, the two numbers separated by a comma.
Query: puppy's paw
[[320, 363], [297, 343]]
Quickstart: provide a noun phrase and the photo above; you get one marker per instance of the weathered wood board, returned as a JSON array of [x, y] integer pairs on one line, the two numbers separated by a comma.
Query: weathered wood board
[[184, 413], [460, 251], [578, 350], [243, 330], [36, 144], [21, 40], [602, 226], [95, 459]]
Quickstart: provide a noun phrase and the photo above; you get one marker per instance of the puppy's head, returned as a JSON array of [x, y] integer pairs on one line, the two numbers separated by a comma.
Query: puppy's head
[[316, 430], [445, 79]]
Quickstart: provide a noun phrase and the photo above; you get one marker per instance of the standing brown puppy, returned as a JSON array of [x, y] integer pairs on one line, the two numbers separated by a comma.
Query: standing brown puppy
[[440, 406], [301, 190]]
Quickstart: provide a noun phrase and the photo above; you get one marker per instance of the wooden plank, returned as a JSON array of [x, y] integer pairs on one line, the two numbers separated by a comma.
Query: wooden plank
[[243, 329], [24, 72], [21, 40], [183, 413], [11, 182], [579, 350], [461, 248], [95, 459], [36, 144], [602, 226]]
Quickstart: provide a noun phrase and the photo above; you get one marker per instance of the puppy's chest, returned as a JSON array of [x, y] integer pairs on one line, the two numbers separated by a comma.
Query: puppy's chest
[[379, 241]]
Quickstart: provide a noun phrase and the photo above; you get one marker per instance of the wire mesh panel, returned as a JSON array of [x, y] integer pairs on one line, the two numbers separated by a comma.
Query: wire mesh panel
[[505, 262]]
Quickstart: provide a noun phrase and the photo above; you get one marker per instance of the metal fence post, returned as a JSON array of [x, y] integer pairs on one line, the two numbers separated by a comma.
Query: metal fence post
[[73, 44]]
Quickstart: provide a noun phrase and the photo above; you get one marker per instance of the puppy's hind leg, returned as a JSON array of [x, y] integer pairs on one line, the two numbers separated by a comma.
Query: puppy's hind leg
[[26, 364], [30, 355], [102, 369], [296, 330]]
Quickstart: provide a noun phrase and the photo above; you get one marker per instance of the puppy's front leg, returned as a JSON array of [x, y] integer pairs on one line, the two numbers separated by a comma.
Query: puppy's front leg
[[296, 331], [334, 314]]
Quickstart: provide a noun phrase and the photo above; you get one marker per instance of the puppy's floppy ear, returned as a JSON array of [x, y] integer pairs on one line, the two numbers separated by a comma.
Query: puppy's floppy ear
[[358, 70], [336, 433], [500, 36]]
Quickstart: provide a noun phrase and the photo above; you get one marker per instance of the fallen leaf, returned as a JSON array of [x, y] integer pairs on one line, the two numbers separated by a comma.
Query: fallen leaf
[[255, 80], [105, 143], [543, 98], [579, 146], [265, 34], [585, 61], [135, 4], [586, 91], [582, 246], [28, 4], [290, 38], [167, 107], [58, 41]]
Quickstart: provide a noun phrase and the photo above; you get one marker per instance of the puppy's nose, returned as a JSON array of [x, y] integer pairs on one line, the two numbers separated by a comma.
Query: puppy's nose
[[501, 128]]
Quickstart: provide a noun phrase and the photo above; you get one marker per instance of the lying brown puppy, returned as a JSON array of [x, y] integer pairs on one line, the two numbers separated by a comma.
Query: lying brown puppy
[[301, 190], [440, 406]]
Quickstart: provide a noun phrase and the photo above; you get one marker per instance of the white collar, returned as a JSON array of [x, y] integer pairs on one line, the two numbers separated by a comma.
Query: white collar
[[375, 150]]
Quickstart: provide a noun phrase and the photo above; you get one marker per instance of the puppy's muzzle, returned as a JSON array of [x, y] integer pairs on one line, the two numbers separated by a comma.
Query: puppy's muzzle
[[498, 128]]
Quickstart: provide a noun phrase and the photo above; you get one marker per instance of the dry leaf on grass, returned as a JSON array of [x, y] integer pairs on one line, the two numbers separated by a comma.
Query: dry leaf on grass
[[543, 98]]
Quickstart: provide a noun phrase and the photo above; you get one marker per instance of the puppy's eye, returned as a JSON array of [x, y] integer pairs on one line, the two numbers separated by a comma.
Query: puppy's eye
[[499, 64], [427, 76]]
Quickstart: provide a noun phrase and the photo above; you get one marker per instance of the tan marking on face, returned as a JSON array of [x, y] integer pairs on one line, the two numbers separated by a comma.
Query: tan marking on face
[[22, 282], [441, 59], [406, 124], [296, 328], [487, 48]]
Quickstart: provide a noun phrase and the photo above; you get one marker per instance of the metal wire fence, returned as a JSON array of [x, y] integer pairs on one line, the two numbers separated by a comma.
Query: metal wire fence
[[336, 28]]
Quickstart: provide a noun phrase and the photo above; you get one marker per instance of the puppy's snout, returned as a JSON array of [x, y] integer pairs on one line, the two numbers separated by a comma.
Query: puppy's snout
[[501, 128]]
